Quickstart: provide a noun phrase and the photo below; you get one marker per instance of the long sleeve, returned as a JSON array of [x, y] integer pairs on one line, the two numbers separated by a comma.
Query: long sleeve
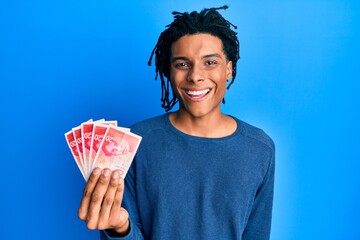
[[259, 223], [134, 234]]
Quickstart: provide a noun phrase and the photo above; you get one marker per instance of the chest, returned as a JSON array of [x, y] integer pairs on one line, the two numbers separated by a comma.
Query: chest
[[200, 173]]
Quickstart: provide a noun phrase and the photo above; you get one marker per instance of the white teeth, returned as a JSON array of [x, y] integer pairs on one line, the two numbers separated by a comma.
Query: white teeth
[[198, 93]]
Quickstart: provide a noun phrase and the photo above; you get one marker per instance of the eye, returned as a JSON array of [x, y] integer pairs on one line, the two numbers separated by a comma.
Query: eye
[[181, 65], [210, 63]]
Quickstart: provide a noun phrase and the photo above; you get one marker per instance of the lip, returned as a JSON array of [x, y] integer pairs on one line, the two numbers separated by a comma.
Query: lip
[[196, 95]]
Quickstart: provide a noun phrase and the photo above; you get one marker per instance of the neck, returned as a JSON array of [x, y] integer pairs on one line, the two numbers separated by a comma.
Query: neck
[[215, 125]]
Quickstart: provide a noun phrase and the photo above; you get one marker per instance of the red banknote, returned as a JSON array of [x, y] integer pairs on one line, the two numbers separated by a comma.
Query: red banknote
[[98, 133], [117, 150], [102, 144], [70, 139]]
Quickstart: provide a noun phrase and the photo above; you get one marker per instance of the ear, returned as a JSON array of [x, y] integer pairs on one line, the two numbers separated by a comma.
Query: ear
[[228, 70]]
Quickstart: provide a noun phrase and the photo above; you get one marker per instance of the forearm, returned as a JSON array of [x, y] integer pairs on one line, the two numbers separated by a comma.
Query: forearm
[[259, 222]]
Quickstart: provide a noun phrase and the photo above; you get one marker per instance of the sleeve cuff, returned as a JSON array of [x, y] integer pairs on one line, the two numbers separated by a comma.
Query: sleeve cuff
[[105, 235]]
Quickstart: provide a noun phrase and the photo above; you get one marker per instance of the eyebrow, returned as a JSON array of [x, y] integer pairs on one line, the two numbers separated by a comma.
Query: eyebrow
[[186, 59], [174, 59]]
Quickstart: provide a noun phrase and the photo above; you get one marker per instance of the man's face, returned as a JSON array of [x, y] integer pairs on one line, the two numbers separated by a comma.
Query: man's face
[[199, 71]]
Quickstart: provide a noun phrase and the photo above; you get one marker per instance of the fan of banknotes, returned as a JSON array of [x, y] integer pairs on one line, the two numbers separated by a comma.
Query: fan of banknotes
[[102, 144]]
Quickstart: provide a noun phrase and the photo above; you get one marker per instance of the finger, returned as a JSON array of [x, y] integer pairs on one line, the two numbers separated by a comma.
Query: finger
[[90, 185], [116, 206], [97, 198], [119, 217], [108, 200]]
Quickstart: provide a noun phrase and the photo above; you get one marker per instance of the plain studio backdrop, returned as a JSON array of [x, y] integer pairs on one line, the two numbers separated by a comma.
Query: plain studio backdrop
[[63, 62]]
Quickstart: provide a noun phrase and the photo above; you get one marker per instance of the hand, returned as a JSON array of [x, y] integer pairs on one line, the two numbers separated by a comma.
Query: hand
[[100, 205]]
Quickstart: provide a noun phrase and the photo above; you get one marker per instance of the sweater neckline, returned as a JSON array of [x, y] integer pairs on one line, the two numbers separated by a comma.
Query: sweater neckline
[[188, 136]]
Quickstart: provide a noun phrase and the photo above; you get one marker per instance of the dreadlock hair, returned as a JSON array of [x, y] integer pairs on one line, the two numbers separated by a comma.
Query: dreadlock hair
[[207, 21]]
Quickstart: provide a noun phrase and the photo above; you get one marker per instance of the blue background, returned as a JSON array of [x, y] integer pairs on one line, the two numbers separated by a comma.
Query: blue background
[[63, 62]]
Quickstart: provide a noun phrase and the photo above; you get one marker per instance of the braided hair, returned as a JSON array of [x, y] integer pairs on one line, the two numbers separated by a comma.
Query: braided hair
[[207, 21]]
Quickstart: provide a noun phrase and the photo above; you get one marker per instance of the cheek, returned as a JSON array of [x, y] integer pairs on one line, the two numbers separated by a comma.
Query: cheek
[[221, 79], [176, 77], [222, 87], [174, 83], [221, 84], [172, 80]]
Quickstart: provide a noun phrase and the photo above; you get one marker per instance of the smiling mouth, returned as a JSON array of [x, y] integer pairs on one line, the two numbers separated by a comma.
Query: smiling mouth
[[197, 94]]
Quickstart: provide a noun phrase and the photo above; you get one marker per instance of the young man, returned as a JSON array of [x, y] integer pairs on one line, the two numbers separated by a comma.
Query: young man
[[198, 173]]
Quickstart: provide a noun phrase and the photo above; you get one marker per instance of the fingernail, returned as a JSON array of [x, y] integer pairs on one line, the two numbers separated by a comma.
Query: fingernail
[[115, 175], [96, 171], [106, 172], [120, 180]]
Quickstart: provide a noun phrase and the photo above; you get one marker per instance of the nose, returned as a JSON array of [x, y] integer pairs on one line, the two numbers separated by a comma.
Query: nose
[[195, 74]]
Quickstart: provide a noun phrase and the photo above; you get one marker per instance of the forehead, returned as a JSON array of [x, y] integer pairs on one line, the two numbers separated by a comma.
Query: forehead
[[198, 44]]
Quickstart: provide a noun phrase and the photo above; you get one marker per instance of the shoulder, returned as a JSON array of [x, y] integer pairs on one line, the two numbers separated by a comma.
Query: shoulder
[[255, 134], [260, 143], [149, 125]]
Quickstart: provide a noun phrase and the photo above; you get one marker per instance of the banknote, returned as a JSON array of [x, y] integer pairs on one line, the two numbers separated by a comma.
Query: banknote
[[91, 137], [78, 139], [97, 136], [86, 135], [70, 139], [117, 150], [86, 132]]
